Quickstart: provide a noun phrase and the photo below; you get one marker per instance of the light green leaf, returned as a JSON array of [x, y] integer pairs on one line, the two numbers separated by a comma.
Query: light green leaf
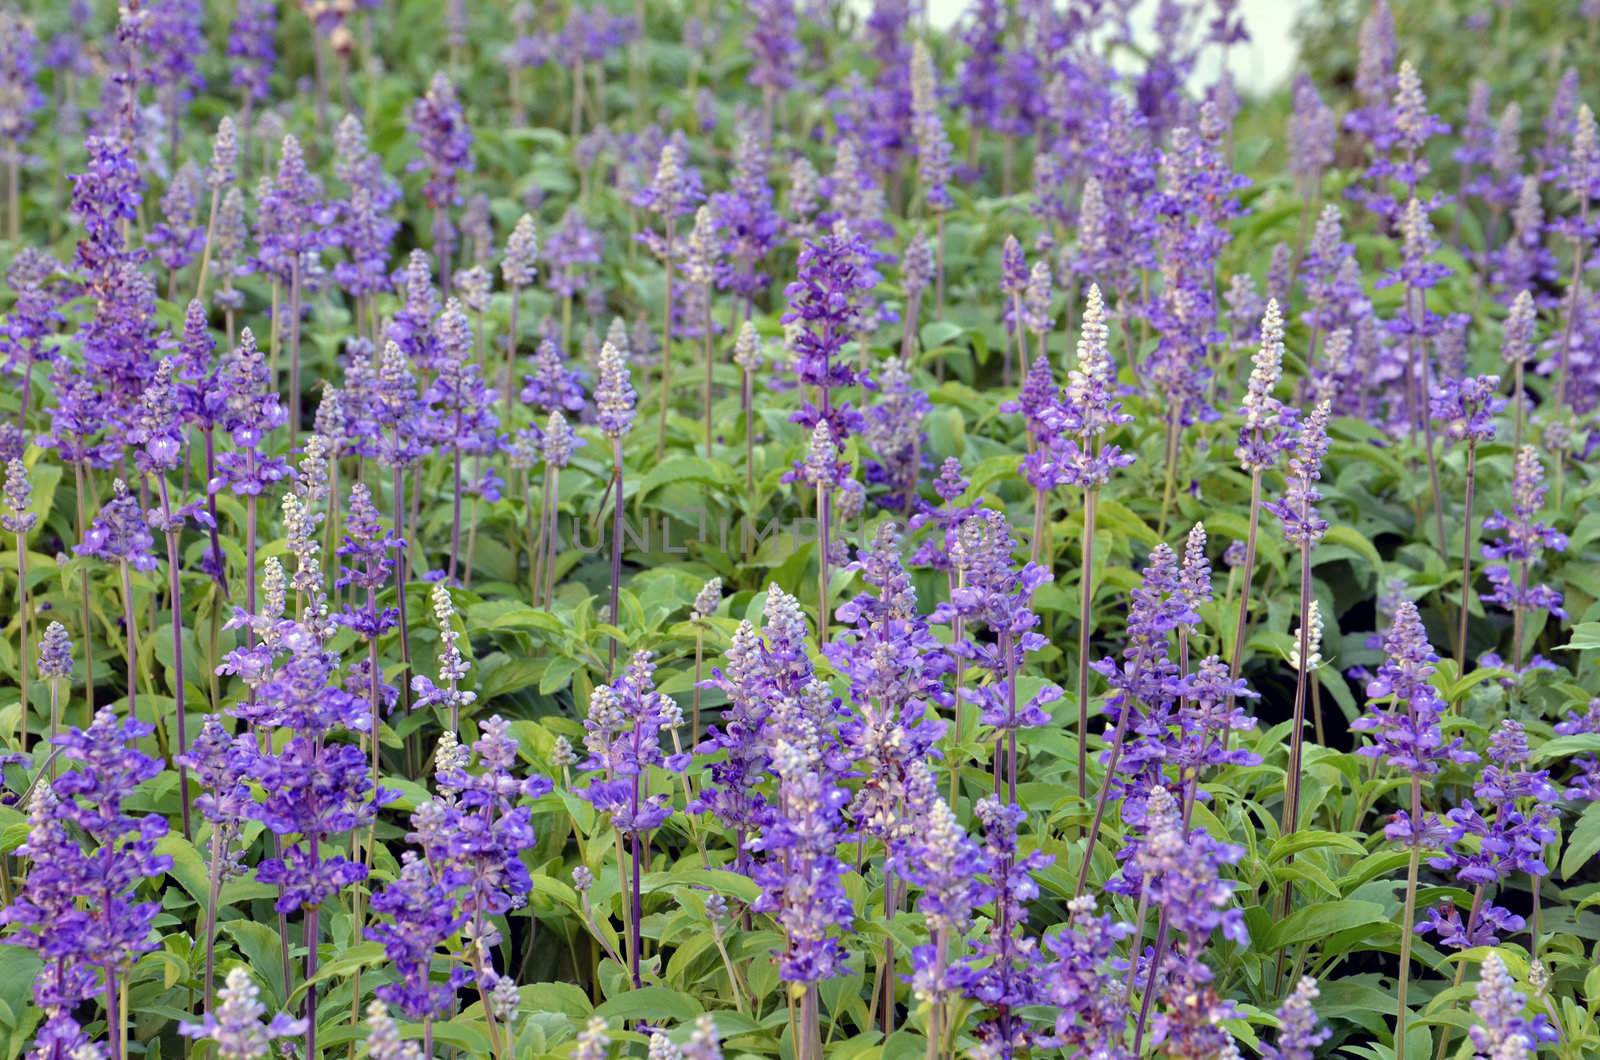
[[1563, 746], [1355, 540], [1584, 842], [649, 1003], [1321, 920]]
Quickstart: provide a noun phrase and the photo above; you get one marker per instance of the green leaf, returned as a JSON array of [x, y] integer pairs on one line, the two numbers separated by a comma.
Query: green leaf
[[1287, 846], [510, 676], [528, 618], [471, 1036], [1585, 637], [1321, 920], [649, 1003], [1562, 746], [1355, 540], [361, 955], [260, 946], [730, 884], [1584, 842], [558, 674], [564, 998], [188, 867], [939, 333], [1115, 515], [682, 469]]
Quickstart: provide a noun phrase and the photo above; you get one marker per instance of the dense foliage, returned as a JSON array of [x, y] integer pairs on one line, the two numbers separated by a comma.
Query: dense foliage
[[775, 529]]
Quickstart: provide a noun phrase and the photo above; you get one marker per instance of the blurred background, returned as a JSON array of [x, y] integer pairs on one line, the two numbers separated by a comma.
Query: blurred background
[[1262, 64]]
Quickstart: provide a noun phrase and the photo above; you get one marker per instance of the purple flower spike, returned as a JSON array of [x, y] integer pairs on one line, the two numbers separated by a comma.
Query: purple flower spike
[[1298, 1034], [1502, 1031], [1403, 715], [88, 856], [120, 533], [236, 1025], [440, 126], [1523, 541]]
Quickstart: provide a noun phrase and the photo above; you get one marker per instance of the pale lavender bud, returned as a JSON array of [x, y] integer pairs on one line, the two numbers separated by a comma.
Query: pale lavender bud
[[224, 155]]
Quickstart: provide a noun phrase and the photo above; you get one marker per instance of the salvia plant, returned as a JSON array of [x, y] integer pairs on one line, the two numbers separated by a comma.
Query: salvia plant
[[1106, 571]]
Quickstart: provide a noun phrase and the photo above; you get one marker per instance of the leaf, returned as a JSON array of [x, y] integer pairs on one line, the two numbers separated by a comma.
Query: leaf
[[1585, 637], [1320, 920], [472, 1036], [188, 867], [1351, 538], [649, 1003], [259, 944], [1287, 846], [361, 955], [1584, 843], [558, 674], [731, 884], [1562, 746], [564, 998], [682, 469], [939, 332], [510, 677], [528, 618], [1115, 515]]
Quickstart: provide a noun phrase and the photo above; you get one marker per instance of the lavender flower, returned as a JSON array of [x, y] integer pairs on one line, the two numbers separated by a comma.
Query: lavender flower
[[119, 533], [419, 916], [1468, 407], [1312, 130], [572, 250], [1403, 714], [1502, 1032], [552, 386], [703, 1043], [315, 788], [55, 653], [367, 562], [558, 441], [1078, 454], [614, 395], [383, 1036], [79, 905], [19, 89], [1298, 1033], [746, 220], [290, 217], [518, 266], [622, 734], [251, 37], [801, 877], [773, 44], [1517, 346], [1011, 979], [176, 239], [250, 411], [1262, 435], [440, 126], [1302, 525], [235, 1026], [825, 302], [1180, 872], [1490, 839], [593, 1041], [707, 599], [1523, 543], [1083, 982], [932, 145], [452, 665], [18, 517], [994, 595]]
